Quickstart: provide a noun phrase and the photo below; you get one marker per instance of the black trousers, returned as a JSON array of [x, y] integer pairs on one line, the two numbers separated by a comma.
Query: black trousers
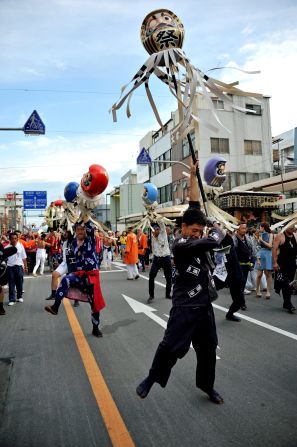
[[31, 261], [288, 275], [237, 294], [245, 270], [142, 261], [188, 325], [158, 263]]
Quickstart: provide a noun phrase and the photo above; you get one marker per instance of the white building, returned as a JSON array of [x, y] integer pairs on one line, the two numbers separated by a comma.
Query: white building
[[125, 200], [246, 147]]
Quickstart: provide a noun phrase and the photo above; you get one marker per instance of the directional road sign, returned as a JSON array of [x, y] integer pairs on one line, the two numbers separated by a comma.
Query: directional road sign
[[34, 200], [144, 158], [34, 125]]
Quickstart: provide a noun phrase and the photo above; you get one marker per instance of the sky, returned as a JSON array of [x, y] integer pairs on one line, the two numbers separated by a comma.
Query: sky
[[68, 59]]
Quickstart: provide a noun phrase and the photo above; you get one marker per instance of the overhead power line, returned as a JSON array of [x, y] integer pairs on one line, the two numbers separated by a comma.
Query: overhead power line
[[82, 92]]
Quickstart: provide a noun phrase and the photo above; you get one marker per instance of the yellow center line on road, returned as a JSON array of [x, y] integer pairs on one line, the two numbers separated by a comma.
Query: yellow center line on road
[[117, 430]]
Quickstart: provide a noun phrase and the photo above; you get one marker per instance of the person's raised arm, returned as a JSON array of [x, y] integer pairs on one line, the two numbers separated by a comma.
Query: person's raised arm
[[194, 190]]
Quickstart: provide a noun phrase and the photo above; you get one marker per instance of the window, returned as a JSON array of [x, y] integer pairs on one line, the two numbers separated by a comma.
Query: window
[[186, 148], [255, 107], [165, 193], [156, 167], [159, 167], [252, 147], [240, 178], [218, 104], [252, 177], [168, 189], [167, 156], [219, 145], [155, 137]]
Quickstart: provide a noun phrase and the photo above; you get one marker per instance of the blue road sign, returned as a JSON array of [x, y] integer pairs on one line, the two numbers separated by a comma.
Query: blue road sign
[[34, 200], [34, 125], [144, 158]]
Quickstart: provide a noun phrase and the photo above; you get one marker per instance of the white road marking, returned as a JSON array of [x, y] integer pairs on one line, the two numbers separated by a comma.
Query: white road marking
[[138, 308], [260, 323], [267, 326], [244, 317]]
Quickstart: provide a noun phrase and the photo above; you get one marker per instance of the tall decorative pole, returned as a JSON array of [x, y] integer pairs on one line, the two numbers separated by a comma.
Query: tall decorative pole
[[162, 34]]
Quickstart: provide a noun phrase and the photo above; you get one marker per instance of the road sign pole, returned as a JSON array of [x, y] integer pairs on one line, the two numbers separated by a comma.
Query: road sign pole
[[12, 128], [33, 126]]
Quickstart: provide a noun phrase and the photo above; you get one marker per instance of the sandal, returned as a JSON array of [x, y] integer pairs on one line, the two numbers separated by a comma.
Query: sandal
[[267, 297], [258, 295]]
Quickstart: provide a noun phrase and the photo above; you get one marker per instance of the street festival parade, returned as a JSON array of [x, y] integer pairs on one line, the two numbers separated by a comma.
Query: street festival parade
[[148, 223]]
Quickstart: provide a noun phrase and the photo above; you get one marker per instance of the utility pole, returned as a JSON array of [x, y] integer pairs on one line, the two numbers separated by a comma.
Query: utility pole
[[281, 158], [15, 212]]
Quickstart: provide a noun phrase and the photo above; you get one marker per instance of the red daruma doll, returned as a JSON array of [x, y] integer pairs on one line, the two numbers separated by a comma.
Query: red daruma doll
[[95, 181], [92, 184]]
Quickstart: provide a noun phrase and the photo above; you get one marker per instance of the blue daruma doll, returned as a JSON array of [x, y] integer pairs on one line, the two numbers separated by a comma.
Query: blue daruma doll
[[70, 191], [150, 193], [214, 171]]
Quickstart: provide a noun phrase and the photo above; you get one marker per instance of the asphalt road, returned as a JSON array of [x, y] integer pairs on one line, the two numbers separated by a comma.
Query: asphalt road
[[60, 386]]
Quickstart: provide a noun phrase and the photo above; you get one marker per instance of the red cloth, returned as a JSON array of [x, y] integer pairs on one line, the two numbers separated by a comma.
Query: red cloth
[[98, 244], [94, 278]]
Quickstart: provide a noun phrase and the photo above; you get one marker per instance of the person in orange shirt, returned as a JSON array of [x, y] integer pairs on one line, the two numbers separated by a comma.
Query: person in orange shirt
[[131, 255], [142, 247]]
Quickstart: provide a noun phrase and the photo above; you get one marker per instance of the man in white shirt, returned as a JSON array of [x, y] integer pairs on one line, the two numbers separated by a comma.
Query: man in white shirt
[[161, 259], [16, 265]]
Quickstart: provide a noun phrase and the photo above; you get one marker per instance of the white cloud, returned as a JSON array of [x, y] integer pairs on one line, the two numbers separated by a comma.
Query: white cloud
[[275, 57], [62, 159]]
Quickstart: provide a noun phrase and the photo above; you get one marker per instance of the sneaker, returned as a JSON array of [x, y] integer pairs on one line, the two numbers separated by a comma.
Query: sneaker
[[11, 303], [20, 300], [34, 274], [247, 292], [136, 277]]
